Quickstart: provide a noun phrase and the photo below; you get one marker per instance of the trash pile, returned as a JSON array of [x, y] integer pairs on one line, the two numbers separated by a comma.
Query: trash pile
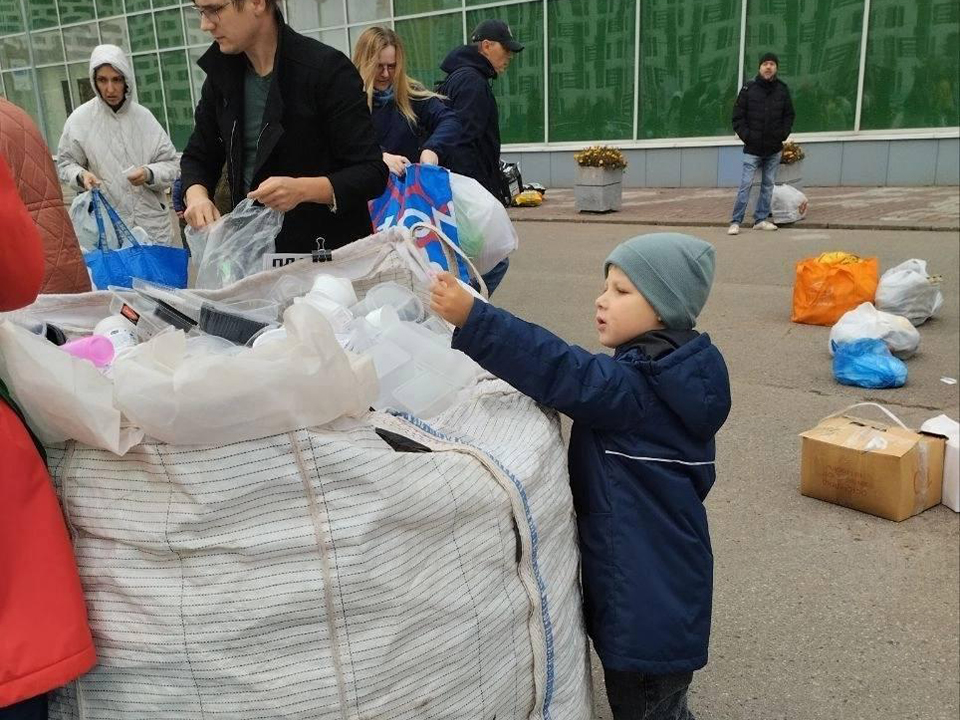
[[167, 351], [868, 341], [888, 470]]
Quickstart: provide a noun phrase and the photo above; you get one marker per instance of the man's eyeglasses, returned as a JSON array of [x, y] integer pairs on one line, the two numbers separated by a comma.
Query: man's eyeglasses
[[210, 12]]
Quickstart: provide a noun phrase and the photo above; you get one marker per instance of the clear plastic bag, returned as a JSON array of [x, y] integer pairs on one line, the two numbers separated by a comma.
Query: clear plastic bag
[[907, 290], [485, 231], [233, 247], [867, 363], [865, 321]]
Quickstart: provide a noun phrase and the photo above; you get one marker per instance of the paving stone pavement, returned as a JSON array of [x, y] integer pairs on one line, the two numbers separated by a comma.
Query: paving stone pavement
[[862, 208]]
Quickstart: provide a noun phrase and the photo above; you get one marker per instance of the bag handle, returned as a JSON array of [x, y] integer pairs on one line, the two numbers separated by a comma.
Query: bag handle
[[119, 226], [451, 251], [879, 407]]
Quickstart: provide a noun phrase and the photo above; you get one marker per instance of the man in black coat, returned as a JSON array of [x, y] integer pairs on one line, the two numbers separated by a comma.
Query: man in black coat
[[763, 118], [289, 117], [470, 68]]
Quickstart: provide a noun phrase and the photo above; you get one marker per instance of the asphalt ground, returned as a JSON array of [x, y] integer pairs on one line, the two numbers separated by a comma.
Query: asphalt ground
[[820, 612]]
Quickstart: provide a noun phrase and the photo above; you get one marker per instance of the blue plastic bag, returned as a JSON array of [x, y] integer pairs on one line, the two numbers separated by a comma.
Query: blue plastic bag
[[158, 263], [423, 194], [867, 363]]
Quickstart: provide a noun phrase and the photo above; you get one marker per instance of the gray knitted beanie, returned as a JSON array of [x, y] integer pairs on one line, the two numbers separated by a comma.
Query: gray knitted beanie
[[672, 271]]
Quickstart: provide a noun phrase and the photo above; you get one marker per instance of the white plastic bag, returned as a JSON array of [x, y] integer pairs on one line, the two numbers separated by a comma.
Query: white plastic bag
[[865, 321], [948, 427], [788, 204], [484, 229], [303, 380], [907, 290], [233, 247]]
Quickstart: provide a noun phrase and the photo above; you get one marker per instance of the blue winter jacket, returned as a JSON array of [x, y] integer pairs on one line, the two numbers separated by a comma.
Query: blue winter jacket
[[641, 462], [438, 128]]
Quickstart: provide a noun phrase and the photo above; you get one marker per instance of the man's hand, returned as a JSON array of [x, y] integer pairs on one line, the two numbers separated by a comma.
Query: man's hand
[[280, 193], [89, 180], [449, 300], [139, 176], [397, 164], [429, 157], [200, 210]]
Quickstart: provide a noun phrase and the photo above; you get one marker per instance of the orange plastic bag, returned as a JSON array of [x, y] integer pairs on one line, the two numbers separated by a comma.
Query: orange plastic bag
[[828, 286]]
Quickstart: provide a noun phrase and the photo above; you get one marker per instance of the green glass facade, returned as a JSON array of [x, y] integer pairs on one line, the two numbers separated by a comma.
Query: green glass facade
[[613, 70]]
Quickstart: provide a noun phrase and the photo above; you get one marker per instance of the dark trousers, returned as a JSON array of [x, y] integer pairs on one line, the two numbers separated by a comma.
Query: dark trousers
[[32, 709], [636, 696], [494, 277]]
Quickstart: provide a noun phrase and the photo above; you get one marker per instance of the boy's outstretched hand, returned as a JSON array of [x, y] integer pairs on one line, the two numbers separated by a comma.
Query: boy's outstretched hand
[[449, 300]]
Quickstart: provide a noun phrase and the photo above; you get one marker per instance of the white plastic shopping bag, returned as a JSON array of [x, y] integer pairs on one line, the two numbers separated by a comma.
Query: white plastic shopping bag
[[485, 231], [865, 321], [63, 397], [788, 204], [907, 290]]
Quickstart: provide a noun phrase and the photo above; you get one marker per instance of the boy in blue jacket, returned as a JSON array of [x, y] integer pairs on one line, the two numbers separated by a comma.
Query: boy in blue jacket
[[641, 455]]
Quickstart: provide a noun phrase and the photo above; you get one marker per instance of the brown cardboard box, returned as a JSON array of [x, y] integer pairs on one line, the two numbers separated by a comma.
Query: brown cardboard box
[[880, 469]]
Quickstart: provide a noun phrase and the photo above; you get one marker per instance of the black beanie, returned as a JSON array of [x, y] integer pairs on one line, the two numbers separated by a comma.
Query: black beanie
[[769, 56]]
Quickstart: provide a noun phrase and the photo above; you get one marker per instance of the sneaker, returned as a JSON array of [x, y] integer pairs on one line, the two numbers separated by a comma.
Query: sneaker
[[765, 225], [734, 229]]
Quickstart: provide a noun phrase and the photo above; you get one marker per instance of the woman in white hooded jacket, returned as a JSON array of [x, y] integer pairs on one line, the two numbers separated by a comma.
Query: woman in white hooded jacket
[[110, 134]]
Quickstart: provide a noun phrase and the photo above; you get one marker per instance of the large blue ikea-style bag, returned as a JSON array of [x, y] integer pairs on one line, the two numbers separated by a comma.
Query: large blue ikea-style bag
[[158, 263], [422, 195], [867, 363]]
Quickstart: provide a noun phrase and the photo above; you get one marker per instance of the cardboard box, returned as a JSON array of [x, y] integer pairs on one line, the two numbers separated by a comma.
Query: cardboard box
[[880, 469]]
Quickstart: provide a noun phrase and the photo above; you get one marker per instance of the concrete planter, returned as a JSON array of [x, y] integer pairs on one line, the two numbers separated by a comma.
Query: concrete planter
[[791, 174], [598, 189]]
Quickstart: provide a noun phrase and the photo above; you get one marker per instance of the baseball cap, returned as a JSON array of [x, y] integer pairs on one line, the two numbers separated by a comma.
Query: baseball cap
[[498, 31]]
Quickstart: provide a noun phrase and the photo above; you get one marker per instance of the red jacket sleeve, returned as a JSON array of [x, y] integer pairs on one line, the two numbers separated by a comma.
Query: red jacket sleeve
[[21, 250]]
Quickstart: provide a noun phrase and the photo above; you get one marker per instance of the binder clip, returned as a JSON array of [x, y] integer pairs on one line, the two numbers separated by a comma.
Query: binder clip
[[321, 254]]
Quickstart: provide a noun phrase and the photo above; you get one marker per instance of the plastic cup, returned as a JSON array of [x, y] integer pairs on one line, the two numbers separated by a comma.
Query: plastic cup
[[95, 348], [407, 305], [340, 290]]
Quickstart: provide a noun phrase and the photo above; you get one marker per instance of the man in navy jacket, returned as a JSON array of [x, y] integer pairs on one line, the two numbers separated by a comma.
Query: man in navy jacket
[[470, 68]]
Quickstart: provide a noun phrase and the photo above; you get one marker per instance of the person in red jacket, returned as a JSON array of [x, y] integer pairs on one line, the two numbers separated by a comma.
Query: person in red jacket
[[45, 640]]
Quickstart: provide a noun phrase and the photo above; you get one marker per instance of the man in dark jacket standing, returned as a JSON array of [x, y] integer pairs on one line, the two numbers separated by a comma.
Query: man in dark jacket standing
[[289, 117], [470, 68], [763, 118]]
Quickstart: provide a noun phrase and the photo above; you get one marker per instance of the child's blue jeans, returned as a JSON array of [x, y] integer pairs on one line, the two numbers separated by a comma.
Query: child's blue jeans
[[636, 696]]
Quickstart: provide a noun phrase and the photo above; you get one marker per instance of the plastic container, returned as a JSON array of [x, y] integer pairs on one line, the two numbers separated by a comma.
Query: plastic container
[[121, 333], [407, 305], [426, 395], [95, 348], [269, 335], [335, 313], [338, 289]]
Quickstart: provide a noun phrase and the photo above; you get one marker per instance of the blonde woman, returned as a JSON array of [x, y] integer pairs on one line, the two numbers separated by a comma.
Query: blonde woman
[[411, 122]]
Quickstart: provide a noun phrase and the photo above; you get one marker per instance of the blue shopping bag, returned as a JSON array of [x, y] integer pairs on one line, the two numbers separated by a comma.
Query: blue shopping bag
[[422, 195], [157, 263]]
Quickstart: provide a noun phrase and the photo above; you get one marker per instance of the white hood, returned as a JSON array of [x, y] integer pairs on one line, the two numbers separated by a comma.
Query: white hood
[[116, 58]]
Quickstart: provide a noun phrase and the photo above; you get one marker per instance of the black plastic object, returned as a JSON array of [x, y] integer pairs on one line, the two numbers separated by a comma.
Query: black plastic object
[[401, 443], [230, 326], [55, 335]]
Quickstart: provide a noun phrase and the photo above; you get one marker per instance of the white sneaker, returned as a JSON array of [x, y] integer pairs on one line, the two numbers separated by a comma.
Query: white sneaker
[[734, 229], [765, 225]]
